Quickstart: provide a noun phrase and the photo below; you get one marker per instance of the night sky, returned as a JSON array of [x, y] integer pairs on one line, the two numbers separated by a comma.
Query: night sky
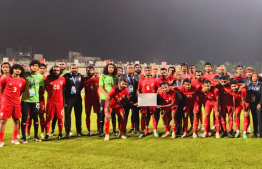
[[128, 30]]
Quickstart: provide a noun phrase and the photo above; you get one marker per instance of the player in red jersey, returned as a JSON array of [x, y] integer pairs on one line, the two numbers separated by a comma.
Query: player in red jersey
[[239, 76], [185, 74], [42, 71], [116, 98], [168, 108], [148, 85], [54, 108], [212, 102], [198, 82], [191, 97], [11, 87], [192, 70], [171, 75], [226, 104], [163, 77], [241, 102], [91, 85], [138, 70], [209, 75]]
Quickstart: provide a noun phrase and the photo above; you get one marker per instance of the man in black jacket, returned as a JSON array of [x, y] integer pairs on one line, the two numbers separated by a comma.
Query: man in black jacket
[[72, 98], [132, 80], [254, 90]]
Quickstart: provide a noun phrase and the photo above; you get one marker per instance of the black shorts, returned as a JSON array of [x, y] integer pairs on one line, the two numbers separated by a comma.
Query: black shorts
[[34, 107]]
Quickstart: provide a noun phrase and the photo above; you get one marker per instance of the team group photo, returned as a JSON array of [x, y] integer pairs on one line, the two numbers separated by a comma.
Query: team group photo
[[130, 84]]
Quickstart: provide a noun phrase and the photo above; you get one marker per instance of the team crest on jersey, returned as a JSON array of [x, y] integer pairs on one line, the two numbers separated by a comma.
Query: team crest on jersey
[[61, 83], [20, 85], [96, 84], [124, 96], [1, 114], [10, 83], [152, 84], [189, 96]]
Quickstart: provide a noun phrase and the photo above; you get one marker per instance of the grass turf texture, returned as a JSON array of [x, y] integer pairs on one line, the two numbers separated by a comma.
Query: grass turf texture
[[148, 152]]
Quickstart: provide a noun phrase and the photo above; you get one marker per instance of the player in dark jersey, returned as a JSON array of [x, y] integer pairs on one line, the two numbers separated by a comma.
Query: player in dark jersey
[[91, 85], [54, 108], [226, 106], [11, 87]]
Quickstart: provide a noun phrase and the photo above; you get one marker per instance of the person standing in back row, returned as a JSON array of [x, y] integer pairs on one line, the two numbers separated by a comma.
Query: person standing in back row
[[72, 97]]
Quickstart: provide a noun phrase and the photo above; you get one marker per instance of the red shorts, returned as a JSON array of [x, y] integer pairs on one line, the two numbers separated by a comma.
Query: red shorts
[[189, 108], [209, 106], [54, 109], [95, 104], [42, 106], [117, 110], [8, 111], [226, 109], [169, 109], [152, 109]]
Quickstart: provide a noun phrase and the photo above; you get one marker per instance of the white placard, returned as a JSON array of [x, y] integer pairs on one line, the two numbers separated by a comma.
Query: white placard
[[147, 99]]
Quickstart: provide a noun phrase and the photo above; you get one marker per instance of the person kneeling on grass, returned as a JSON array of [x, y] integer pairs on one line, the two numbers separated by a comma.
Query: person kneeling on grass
[[167, 108], [115, 101]]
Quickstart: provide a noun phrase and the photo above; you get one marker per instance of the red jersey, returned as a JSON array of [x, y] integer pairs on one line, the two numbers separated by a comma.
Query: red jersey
[[117, 96], [212, 94], [190, 95], [198, 85], [42, 92], [238, 96], [148, 85], [209, 76], [91, 87], [240, 78], [12, 88], [170, 79], [225, 98], [167, 98], [188, 75], [1, 77], [55, 90], [160, 80]]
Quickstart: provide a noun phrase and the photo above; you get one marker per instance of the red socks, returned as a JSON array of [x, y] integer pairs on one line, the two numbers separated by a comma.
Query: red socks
[[154, 123], [167, 128], [15, 132], [174, 127], [60, 125], [206, 124], [2, 137], [237, 121], [214, 119], [42, 125], [185, 124], [47, 126], [217, 125], [195, 125], [246, 123], [88, 123], [28, 125], [107, 125], [223, 122]]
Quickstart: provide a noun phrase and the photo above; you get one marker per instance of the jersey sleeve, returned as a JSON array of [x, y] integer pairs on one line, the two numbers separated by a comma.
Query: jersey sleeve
[[140, 83], [23, 84], [243, 93], [216, 92], [157, 81], [3, 82]]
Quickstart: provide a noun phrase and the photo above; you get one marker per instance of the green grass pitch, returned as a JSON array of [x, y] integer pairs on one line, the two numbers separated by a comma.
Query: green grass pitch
[[148, 152]]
